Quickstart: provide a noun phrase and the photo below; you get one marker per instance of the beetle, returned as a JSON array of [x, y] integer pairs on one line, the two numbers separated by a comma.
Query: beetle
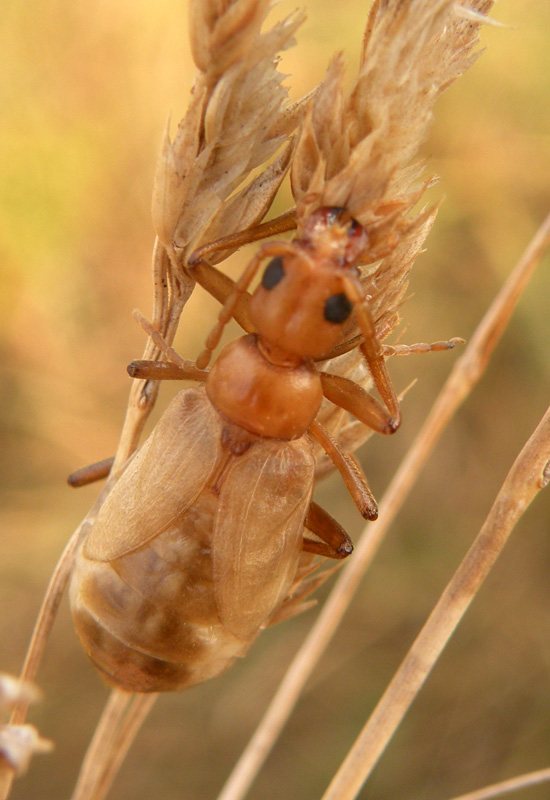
[[197, 546]]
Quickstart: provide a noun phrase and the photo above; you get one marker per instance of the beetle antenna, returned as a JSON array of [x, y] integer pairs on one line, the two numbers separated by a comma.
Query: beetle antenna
[[158, 340]]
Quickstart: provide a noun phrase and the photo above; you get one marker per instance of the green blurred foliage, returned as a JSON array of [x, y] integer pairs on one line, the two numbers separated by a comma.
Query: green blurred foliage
[[86, 94]]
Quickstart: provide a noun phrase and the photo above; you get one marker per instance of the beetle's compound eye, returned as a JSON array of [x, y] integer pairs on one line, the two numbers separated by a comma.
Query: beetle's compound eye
[[337, 308], [273, 273]]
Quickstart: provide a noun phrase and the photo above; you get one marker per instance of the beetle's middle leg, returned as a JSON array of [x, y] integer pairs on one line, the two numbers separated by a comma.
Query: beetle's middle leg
[[335, 543], [178, 368]]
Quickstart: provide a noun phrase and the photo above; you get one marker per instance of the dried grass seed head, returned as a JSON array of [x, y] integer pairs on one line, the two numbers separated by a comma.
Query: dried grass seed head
[[18, 743], [239, 118], [357, 150]]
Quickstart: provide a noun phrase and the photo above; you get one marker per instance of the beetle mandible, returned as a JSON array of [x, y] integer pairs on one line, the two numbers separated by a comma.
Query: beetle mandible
[[197, 545]]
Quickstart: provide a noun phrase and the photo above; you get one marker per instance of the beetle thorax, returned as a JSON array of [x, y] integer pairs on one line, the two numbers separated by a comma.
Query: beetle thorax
[[266, 398]]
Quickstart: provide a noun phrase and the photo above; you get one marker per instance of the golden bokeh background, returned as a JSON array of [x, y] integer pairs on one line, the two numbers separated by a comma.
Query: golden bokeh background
[[87, 89]]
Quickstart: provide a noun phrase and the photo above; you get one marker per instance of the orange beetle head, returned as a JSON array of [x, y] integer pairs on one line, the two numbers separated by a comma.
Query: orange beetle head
[[300, 305]]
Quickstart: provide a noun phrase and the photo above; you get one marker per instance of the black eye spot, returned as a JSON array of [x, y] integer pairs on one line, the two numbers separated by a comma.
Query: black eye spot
[[273, 273], [337, 308]]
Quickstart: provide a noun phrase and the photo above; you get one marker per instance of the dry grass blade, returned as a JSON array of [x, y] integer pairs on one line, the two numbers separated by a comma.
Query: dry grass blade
[[505, 787], [524, 481], [466, 373]]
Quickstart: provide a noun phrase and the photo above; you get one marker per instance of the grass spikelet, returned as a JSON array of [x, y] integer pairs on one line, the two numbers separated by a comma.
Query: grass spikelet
[[238, 118], [357, 150], [18, 743]]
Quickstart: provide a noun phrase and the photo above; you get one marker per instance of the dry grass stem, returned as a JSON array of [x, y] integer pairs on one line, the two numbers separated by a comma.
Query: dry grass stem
[[526, 478], [120, 721], [505, 787], [101, 746], [239, 117], [44, 622], [46, 616], [42, 628], [466, 372]]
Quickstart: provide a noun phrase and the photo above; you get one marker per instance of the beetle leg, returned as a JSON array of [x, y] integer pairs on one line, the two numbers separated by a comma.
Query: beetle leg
[[372, 350], [220, 286], [349, 469], [240, 287], [91, 473], [177, 369], [335, 541], [273, 227], [353, 398], [161, 371]]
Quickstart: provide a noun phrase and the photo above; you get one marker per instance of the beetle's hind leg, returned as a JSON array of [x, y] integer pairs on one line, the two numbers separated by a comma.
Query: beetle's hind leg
[[335, 543], [349, 469]]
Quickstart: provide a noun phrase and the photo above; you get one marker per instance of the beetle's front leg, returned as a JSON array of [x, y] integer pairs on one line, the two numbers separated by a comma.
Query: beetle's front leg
[[335, 543], [372, 350], [91, 473]]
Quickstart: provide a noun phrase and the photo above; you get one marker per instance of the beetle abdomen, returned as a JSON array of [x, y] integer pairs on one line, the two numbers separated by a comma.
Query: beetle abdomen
[[148, 620], [159, 611]]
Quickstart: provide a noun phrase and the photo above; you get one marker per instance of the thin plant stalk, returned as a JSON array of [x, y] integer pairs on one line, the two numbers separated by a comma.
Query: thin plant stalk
[[95, 780], [42, 628], [529, 474], [511, 785], [100, 747], [169, 299], [44, 622], [466, 373]]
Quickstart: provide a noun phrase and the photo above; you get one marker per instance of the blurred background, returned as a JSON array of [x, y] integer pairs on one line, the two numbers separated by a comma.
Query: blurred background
[[87, 89]]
